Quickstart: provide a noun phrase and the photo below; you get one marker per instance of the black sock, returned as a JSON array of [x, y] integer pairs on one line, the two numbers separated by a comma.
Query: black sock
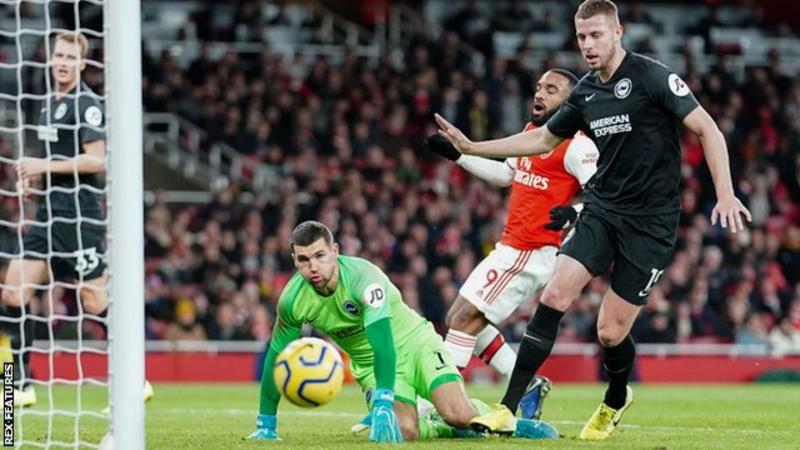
[[618, 363], [537, 342], [21, 359]]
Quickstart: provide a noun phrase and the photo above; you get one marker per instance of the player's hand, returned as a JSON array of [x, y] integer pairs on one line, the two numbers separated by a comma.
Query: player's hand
[[265, 429], [729, 211], [23, 187], [453, 134], [562, 217], [441, 146], [30, 167], [384, 422]]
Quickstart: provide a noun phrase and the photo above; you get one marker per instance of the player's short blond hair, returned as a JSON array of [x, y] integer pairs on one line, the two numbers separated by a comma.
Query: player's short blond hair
[[591, 8], [75, 37]]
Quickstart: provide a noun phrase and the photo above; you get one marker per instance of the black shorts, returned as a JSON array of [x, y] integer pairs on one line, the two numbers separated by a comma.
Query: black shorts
[[640, 247], [72, 256]]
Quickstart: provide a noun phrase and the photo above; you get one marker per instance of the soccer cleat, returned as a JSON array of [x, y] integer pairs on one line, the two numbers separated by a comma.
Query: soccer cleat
[[605, 420], [25, 397], [149, 393], [530, 405], [362, 425], [499, 420], [535, 429]]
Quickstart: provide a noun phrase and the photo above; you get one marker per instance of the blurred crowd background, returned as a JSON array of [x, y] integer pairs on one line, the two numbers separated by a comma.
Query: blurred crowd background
[[340, 137]]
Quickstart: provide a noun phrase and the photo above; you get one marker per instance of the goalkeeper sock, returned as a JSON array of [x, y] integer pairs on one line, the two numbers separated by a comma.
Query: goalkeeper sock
[[618, 363], [22, 355], [536, 345]]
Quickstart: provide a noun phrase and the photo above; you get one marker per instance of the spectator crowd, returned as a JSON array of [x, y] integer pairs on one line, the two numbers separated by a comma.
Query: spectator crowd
[[345, 138]]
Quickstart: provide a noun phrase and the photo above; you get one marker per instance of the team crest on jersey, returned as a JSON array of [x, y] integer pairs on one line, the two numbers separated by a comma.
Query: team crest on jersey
[[623, 88], [351, 307], [61, 111]]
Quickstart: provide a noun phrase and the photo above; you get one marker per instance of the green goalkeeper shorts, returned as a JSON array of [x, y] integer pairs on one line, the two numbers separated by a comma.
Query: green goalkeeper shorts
[[423, 364]]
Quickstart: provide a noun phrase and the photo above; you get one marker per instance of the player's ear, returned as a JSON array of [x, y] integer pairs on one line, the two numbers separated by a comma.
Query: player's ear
[[335, 249], [618, 32]]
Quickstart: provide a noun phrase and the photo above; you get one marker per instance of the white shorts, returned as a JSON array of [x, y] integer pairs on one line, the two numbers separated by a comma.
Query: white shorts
[[507, 278]]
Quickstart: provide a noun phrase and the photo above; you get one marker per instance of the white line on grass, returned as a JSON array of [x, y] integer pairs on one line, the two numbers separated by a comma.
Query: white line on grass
[[250, 412]]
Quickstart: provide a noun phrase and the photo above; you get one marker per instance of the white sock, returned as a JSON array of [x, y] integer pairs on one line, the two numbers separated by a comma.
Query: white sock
[[492, 348], [460, 345]]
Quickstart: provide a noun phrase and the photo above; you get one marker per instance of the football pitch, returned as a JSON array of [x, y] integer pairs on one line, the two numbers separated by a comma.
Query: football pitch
[[209, 416]]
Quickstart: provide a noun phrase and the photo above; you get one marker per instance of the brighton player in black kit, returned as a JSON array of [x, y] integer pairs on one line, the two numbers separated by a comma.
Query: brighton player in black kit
[[632, 107], [66, 239]]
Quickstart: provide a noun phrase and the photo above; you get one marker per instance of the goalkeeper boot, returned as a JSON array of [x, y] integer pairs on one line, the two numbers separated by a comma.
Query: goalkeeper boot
[[499, 420], [530, 405], [605, 420], [25, 397]]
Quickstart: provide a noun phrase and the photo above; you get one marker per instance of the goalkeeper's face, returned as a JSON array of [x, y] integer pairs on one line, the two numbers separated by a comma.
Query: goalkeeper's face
[[66, 62], [317, 263]]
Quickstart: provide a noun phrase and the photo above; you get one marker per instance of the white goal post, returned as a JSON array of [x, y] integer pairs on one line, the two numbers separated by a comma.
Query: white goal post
[[126, 233]]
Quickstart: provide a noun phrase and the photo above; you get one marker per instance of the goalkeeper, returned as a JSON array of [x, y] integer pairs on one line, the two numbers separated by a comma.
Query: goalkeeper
[[395, 353]]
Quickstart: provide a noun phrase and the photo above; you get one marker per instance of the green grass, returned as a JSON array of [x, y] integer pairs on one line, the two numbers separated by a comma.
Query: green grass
[[204, 416]]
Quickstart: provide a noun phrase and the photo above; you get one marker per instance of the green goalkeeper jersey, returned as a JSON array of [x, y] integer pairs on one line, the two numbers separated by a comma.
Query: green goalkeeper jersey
[[363, 296]]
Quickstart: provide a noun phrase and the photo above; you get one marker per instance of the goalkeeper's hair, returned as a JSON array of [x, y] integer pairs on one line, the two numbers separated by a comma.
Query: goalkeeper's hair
[[591, 8], [75, 37], [308, 232]]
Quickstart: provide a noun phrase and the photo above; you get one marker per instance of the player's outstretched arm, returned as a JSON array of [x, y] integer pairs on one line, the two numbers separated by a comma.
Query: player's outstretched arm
[[535, 142], [267, 421], [384, 426], [494, 172], [729, 210]]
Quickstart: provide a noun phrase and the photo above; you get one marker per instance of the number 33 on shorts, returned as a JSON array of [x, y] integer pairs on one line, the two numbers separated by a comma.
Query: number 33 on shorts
[[88, 260]]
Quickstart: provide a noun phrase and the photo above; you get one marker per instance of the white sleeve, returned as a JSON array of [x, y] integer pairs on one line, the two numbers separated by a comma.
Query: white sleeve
[[580, 161], [495, 172]]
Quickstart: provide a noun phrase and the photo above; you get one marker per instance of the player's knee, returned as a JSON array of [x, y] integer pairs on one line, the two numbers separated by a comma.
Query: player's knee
[[93, 302], [465, 318], [555, 297], [13, 297], [456, 416], [610, 333]]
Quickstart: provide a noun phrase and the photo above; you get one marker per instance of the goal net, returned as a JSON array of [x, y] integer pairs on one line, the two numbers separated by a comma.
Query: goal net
[[61, 212]]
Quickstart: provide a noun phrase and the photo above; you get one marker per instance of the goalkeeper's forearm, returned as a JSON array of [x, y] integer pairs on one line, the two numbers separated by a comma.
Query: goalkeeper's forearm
[[379, 336], [269, 397], [526, 143], [494, 172]]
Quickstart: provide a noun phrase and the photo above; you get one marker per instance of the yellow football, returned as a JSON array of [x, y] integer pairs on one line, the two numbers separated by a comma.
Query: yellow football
[[309, 372]]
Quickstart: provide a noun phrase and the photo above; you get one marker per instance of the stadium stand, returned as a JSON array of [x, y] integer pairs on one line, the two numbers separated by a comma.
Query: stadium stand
[[338, 135]]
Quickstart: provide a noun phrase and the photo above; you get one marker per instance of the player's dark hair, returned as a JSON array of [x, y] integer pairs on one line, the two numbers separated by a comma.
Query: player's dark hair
[[591, 8], [308, 232], [571, 77]]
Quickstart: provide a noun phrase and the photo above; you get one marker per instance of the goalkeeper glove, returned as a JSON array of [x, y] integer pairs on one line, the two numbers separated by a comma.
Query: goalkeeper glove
[[384, 422], [561, 217], [265, 429], [441, 146]]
